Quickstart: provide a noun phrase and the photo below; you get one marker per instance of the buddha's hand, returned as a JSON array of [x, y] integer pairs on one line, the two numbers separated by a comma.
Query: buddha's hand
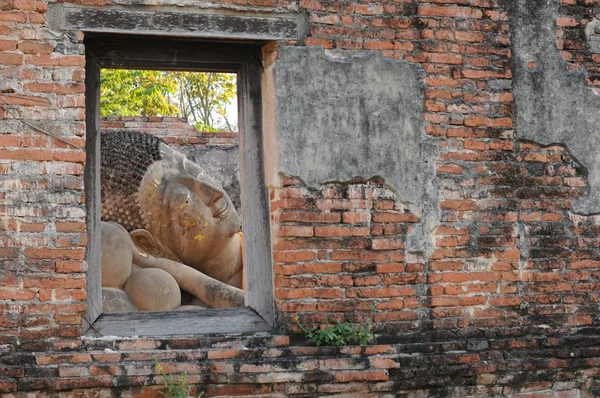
[[212, 292]]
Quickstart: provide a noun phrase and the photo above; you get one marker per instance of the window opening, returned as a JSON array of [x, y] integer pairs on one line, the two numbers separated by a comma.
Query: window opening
[[162, 191], [168, 147]]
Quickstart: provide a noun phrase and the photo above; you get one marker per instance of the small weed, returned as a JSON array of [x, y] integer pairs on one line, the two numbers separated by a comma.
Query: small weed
[[342, 333], [176, 387]]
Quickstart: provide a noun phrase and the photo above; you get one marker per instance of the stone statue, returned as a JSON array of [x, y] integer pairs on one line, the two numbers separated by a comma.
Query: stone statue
[[167, 227]]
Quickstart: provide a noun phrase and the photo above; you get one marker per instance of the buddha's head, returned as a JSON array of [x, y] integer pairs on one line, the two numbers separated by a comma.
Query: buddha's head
[[169, 205]]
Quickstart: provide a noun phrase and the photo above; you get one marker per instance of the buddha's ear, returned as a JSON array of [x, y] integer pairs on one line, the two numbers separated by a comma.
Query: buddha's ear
[[144, 240]]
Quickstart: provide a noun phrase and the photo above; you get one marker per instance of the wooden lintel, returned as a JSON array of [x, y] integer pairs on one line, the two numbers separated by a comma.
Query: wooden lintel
[[144, 52], [197, 23]]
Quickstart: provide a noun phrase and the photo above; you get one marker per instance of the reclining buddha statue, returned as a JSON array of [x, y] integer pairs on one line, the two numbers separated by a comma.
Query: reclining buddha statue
[[169, 231]]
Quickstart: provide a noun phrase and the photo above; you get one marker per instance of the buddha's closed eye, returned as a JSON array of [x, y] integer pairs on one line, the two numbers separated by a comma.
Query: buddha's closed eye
[[220, 208]]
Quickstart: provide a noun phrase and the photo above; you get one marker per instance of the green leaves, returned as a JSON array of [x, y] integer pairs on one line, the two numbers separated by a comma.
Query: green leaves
[[202, 97], [137, 93], [342, 333], [176, 387]]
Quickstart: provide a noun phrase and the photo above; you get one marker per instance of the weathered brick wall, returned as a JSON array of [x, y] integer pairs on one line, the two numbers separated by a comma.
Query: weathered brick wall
[[176, 131], [571, 37], [344, 245], [506, 304]]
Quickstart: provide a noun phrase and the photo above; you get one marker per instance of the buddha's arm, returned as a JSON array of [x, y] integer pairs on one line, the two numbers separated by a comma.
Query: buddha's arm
[[214, 293]]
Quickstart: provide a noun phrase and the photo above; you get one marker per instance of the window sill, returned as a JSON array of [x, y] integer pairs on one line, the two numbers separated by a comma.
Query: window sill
[[178, 323]]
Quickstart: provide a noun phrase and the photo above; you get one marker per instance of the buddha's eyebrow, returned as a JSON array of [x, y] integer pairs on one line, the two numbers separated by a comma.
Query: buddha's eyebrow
[[193, 169], [192, 182]]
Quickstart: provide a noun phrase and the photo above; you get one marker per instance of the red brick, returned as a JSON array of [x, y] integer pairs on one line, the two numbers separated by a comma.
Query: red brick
[[64, 226], [356, 217], [16, 294], [63, 358], [297, 307], [70, 282], [221, 367], [8, 141], [452, 59], [13, 16], [357, 256], [390, 268], [27, 154], [566, 21], [46, 253], [33, 47], [445, 301], [386, 292], [7, 58], [326, 293], [295, 231], [367, 280], [384, 363], [8, 45], [101, 370], [226, 354], [331, 231], [584, 264], [394, 218], [377, 45], [387, 244], [70, 266], [462, 205], [449, 168], [344, 377], [314, 268], [73, 88], [319, 42], [107, 357], [441, 82], [64, 60], [238, 390], [7, 386], [337, 204], [292, 257], [309, 217]]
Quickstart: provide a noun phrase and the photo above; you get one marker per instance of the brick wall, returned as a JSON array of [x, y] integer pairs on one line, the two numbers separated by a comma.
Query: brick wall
[[506, 305], [176, 131], [571, 37]]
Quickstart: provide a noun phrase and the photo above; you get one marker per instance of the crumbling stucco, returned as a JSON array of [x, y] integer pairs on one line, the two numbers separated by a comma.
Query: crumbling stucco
[[344, 114], [552, 103]]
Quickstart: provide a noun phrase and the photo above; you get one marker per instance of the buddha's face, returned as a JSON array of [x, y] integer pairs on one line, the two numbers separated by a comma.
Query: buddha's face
[[186, 211]]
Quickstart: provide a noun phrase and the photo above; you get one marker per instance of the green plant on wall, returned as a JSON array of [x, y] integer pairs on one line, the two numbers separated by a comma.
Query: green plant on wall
[[177, 387], [342, 333]]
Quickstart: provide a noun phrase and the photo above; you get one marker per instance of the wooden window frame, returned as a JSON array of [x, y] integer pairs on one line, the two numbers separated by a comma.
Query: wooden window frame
[[185, 54]]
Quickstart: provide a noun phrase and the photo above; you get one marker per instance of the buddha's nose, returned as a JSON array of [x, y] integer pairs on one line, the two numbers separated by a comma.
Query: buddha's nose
[[213, 193], [217, 194]]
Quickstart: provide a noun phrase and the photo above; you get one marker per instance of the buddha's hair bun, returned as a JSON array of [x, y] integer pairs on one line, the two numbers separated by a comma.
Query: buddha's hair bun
[[125, 156]]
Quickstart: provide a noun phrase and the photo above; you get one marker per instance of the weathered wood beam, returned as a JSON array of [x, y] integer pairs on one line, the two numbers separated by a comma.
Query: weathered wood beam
[[209, 23], [122, 51], [92, 191], [179, 323]]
